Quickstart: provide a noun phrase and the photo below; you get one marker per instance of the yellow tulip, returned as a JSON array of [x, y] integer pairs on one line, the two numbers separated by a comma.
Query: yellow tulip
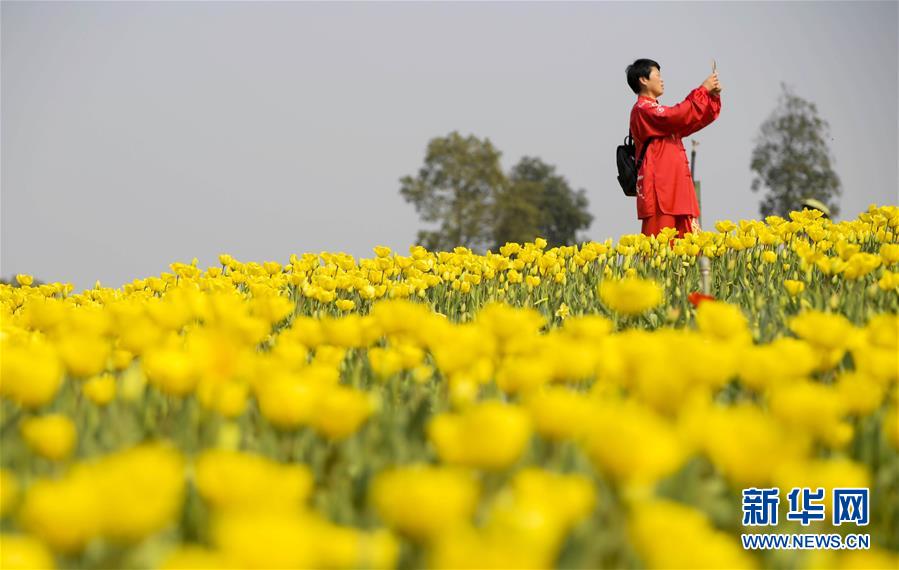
[[631, 296], [19, 551], [341, 411], [100, 389], [423, 501], [84, 356], [671, 535], [794, 287], [30, 375], [52, 436], [237, 481], [488, 435], [9, 491]]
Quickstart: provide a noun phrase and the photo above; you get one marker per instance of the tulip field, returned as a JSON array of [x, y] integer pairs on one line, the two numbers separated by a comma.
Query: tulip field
[[584, 406]]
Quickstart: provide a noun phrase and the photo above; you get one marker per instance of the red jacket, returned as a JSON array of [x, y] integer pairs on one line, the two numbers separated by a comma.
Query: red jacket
[[664, 183]]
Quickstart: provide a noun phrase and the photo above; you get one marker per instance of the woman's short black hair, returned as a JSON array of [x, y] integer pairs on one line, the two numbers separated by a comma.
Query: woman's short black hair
[[638, 69]]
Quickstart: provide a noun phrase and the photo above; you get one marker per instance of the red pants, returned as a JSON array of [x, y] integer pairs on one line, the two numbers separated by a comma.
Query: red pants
[[654, 224]]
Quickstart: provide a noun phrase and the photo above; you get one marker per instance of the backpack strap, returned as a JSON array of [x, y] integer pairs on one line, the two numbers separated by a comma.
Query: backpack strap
[[643, 150]]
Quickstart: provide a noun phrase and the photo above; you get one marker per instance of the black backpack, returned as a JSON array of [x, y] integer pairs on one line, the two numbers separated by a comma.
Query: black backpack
[[627, 170]]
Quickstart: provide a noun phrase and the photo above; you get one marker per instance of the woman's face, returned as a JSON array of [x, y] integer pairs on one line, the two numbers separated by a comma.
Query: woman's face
[[655, 85]]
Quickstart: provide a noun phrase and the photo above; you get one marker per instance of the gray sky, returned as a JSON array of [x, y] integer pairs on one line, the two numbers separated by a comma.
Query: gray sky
[[138, 134]]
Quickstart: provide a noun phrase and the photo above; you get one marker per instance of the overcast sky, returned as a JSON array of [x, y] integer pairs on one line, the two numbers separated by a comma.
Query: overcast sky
[[138, 134]]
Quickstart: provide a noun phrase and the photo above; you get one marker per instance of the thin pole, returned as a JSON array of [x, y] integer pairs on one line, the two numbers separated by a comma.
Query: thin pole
[[693, 165], [705, 266]]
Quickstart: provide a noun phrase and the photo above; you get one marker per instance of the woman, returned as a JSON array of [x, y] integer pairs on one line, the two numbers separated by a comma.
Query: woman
[[666, 197]]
